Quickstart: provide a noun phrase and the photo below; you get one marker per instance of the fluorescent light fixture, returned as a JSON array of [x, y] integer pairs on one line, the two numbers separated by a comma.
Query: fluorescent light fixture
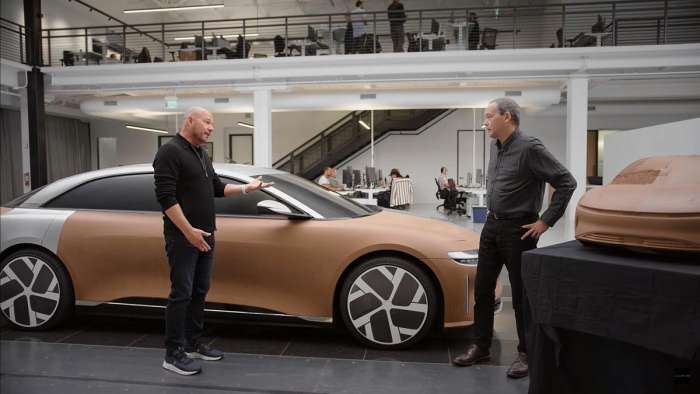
[[168, 9], [184, 38], [244, 35], [244, 124], [146, 129], [363, 124]]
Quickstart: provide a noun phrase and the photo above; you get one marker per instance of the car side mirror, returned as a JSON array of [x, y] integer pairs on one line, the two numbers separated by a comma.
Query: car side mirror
[[267, 207]]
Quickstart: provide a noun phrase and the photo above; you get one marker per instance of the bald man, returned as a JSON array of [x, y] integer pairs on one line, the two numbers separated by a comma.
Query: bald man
[[186, 185]]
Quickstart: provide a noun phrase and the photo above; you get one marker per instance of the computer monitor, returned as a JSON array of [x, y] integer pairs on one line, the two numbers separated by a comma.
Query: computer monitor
[[311, 34], [356, 177], [479, 176], [379, 174], [347, 177], [434, 26], [371, 175]]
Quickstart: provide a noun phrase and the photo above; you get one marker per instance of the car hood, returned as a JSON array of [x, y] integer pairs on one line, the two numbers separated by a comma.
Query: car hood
[[665, 199]]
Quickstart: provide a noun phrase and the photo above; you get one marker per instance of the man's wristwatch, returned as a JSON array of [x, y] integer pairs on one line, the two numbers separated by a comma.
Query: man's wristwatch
[[243, 189]]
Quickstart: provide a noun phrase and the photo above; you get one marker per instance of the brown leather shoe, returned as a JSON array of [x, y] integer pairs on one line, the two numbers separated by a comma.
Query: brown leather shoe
[[473, 355], [519, 368]]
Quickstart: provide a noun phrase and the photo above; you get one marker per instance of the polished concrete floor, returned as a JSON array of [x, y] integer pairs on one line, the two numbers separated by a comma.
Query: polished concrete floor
[[105, 349]]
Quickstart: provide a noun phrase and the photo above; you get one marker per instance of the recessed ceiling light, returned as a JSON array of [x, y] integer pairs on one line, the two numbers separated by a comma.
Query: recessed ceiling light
[[146, 129], [248, 125], [168, 9]]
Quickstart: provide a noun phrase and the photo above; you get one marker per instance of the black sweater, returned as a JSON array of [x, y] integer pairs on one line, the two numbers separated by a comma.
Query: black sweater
[[184, 175]]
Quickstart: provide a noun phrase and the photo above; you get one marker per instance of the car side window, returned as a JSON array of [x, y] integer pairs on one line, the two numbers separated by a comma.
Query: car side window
[[134, 192], [244, 204]]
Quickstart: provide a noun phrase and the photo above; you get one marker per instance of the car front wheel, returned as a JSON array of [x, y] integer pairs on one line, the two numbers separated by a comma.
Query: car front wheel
[[388, 303], [35, 290]]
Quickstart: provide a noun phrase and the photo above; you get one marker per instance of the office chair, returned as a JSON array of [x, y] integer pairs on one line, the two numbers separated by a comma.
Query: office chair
[[401, 193], [440, 194], [312, 44], [488, 38]]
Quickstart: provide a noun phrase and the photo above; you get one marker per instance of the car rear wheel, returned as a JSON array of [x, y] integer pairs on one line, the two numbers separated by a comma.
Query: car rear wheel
[[388, 303], [35, 290]]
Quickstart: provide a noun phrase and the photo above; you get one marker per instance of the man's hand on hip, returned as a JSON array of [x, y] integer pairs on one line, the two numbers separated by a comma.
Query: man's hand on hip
[[196, 238], [535, 229]]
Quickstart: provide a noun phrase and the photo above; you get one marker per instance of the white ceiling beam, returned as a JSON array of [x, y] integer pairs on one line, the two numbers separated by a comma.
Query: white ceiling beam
[[454, 65]]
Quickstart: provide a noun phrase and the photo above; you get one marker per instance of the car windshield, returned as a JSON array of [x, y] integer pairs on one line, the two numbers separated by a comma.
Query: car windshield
[[326, 202]]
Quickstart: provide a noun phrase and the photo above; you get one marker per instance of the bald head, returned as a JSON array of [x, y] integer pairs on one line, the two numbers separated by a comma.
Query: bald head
[[197, 126]]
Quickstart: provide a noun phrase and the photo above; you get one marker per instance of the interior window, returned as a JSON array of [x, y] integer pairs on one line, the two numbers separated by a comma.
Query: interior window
[[134, 192]]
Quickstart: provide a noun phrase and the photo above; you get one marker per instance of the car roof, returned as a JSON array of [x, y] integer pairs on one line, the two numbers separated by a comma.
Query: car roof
[[60, 186]]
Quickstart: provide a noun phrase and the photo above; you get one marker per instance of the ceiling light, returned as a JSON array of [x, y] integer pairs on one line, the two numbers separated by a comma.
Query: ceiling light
[[184, 38], [146, 129], [244, 124], [363, 124], [168, 9], [244, 35]]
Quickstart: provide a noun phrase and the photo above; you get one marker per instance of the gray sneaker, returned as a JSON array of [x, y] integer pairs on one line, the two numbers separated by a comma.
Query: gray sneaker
[[178, 362], [204, 352]]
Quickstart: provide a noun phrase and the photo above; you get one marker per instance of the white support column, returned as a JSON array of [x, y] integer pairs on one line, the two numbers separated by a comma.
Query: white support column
[[576, 131], [262, 136], [24, 126]]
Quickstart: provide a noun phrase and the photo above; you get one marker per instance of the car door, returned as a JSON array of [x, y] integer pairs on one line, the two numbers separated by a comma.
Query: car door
[[257, 256], [113, 243]]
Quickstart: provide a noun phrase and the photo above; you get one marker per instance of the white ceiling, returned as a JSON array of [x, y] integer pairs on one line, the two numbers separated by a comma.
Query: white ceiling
[[65, 13]]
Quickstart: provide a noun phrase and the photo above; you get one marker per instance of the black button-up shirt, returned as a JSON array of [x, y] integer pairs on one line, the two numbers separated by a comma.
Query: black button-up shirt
[[518, 170], [184, 175]]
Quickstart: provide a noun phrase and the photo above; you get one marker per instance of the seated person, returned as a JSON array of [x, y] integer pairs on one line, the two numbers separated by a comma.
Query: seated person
[[328, 179], [442, 179]]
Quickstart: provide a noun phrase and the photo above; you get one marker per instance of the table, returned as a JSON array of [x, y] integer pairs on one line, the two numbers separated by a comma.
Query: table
[[599, 37], [461, 34], [479, 192], [611, 320], [370, 200]]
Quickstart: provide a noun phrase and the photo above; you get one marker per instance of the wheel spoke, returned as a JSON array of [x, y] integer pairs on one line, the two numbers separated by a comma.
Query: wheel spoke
[[35, 272], [418, 295], [48, 295], [364, 319], [368, 331], [367, 288], [396, 281], [395, 336], [414, 307], [386, 272], [11, 274], [8, 303], [407, 331]]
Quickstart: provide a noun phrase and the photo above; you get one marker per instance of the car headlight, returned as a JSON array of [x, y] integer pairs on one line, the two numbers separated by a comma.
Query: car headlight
[[465, 257]]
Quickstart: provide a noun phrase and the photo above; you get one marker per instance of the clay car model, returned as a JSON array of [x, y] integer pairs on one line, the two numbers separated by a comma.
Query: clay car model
[[653, 204], [294, 249]]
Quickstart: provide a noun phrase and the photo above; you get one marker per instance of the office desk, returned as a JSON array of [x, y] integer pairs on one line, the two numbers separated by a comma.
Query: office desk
[[370, 200], [477, 191], [599, 38], [609, 320]]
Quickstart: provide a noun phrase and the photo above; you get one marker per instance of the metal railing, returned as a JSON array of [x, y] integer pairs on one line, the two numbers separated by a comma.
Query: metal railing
[[626, 22], [346, 137]]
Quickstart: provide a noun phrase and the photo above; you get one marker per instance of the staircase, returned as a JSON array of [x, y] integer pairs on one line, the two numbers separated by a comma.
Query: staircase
[[347, 136]]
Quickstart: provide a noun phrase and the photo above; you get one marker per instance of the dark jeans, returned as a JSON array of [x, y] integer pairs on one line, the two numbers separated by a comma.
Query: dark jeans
[[397, 37], [190, 273], [500, 244]]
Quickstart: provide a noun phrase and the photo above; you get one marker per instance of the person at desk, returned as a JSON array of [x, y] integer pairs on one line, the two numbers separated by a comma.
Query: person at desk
[[328, 179], [519, 167], [442, 179]]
